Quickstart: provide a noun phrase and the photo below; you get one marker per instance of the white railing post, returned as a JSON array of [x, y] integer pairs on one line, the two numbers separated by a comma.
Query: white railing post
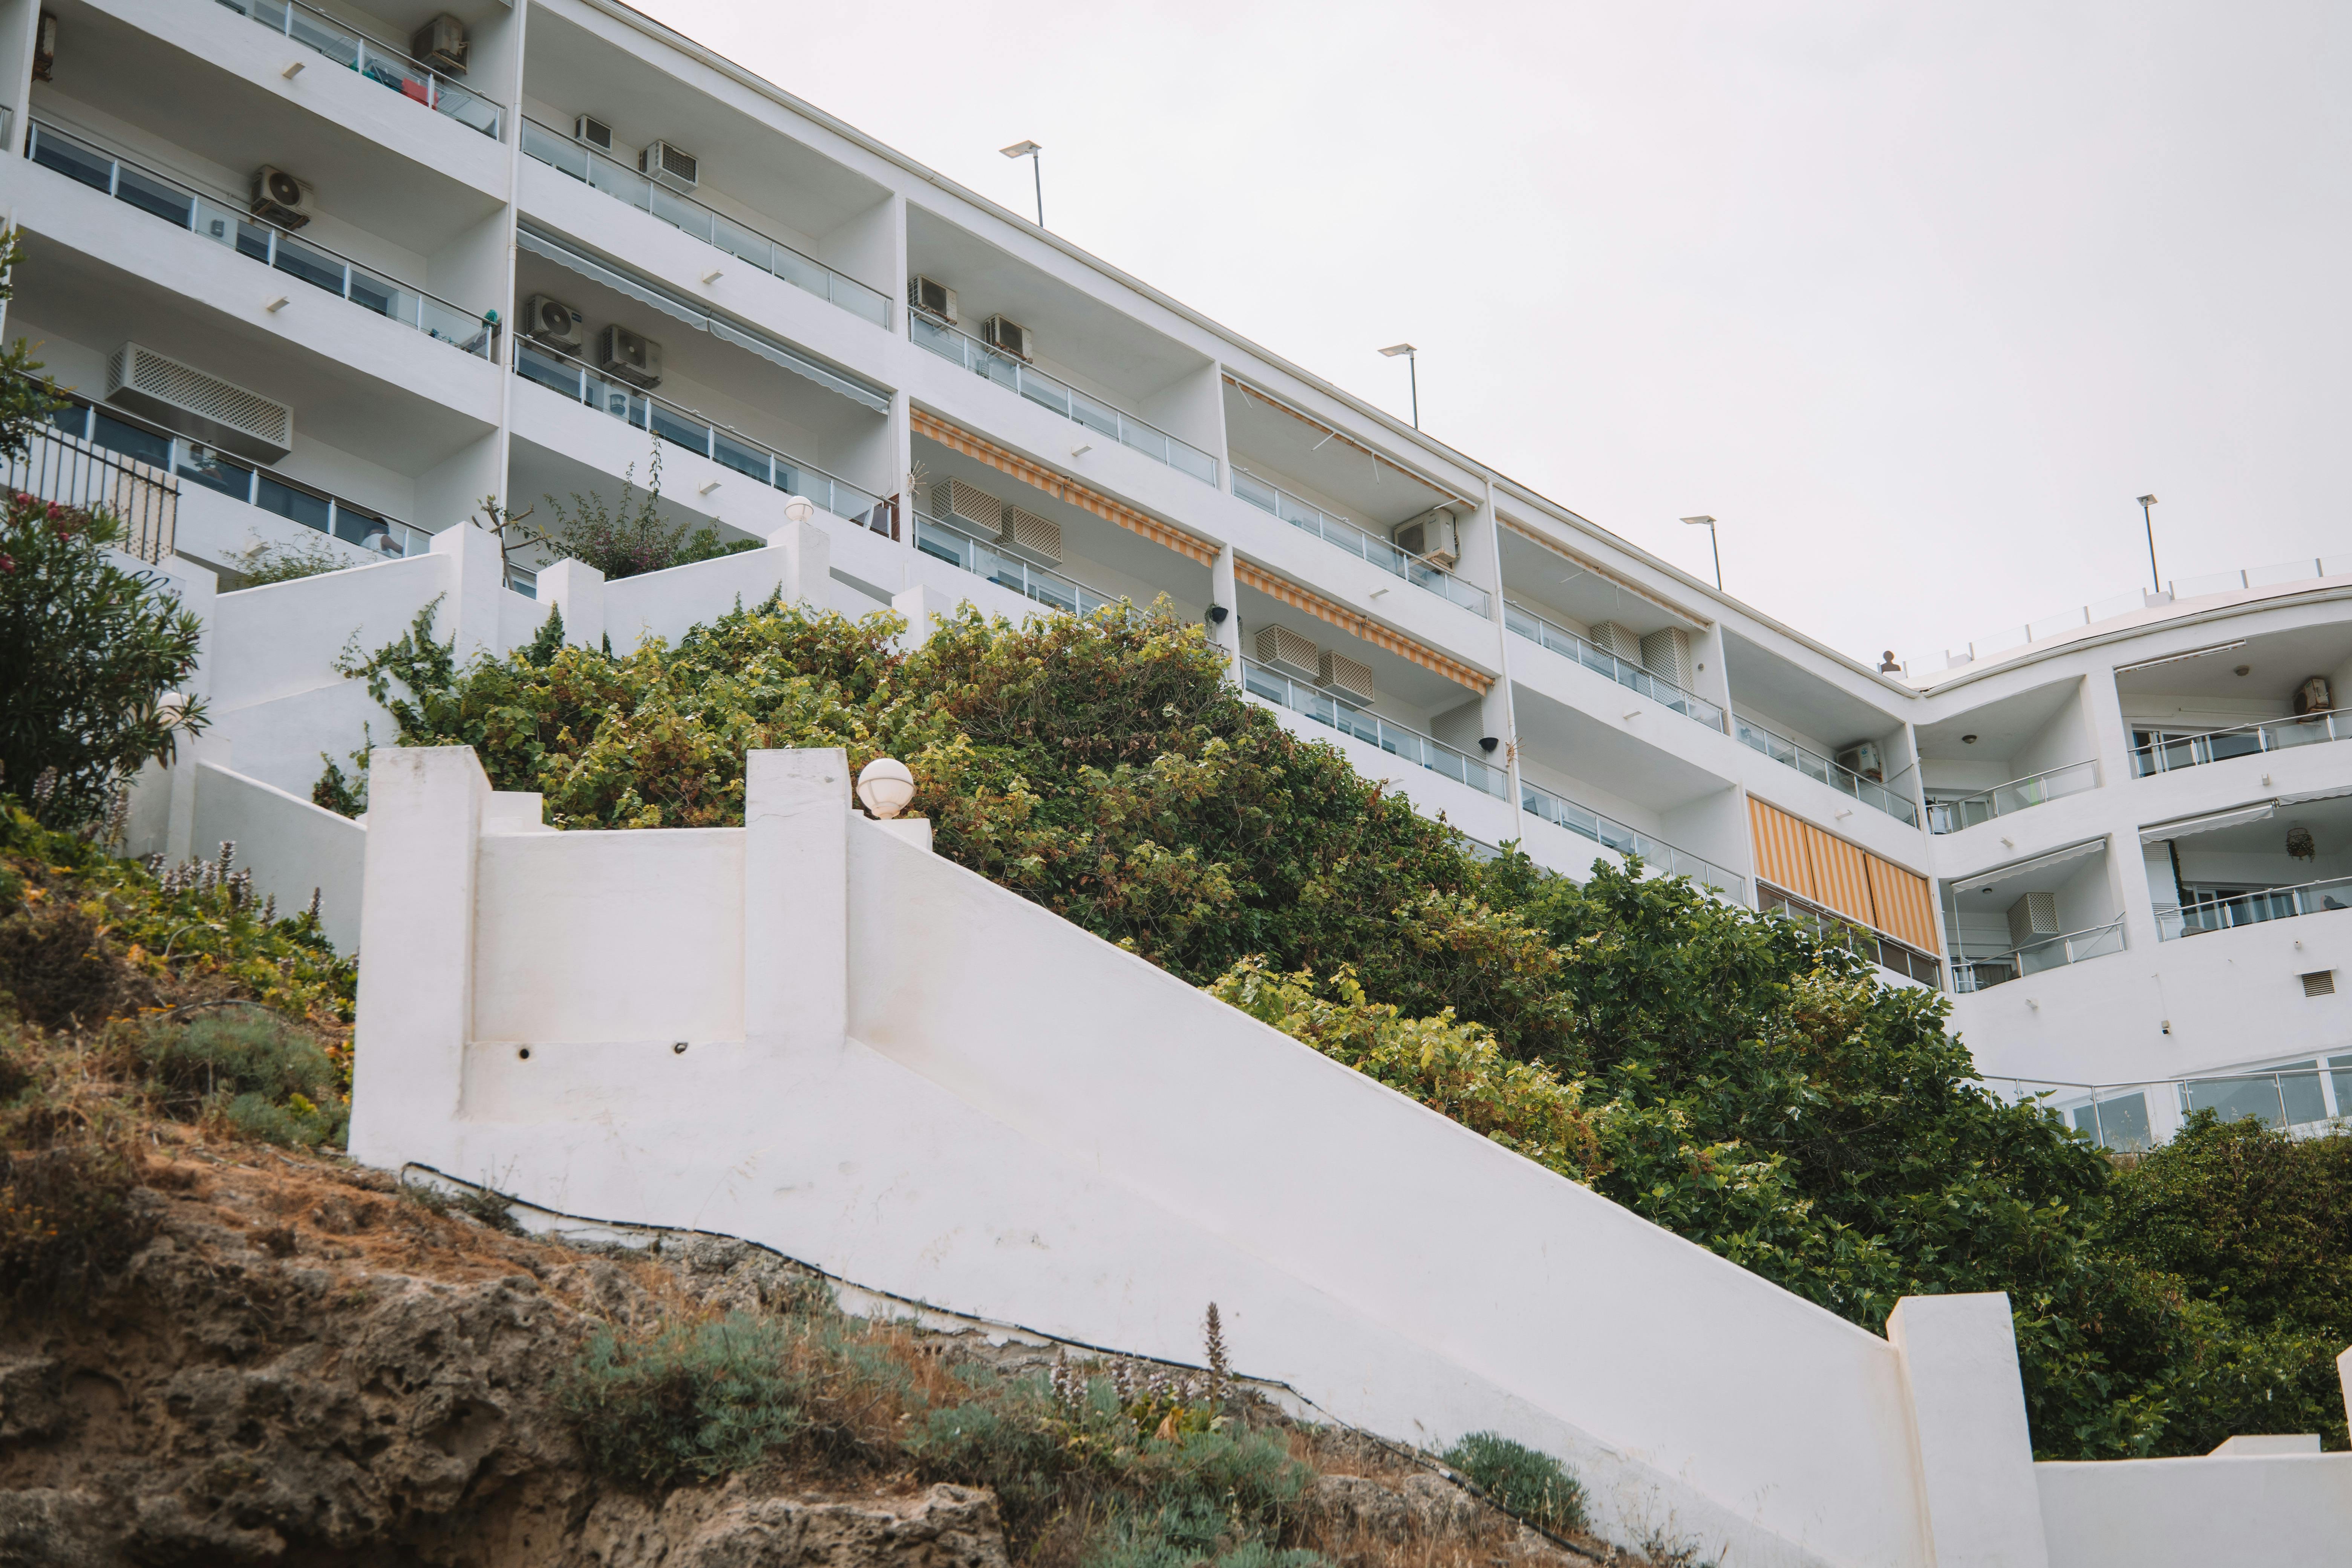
[[796, 900], [1972, 1447]]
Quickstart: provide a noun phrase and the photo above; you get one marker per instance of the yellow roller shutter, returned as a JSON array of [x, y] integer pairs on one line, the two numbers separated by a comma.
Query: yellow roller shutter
[[1781, 850], [1905, 908], [1841, 875]]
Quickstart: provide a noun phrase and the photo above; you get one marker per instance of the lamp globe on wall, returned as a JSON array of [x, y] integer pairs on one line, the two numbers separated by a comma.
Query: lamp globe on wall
[[886, 786], [799, 509]]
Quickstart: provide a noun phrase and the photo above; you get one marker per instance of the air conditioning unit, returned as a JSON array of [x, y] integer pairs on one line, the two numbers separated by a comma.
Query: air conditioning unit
[[1010, 336], [1031, 537], [1667, 655], [1348, 676], [631, 357], [1282, 649], [546, 320], [982, 511], [934, 300], [279, 197], [1617, 642], [2313, 696], [1863, 757], [1433, 534], [679, 171], [2032, 917], [199, 405], [594, 132], [441, 44]]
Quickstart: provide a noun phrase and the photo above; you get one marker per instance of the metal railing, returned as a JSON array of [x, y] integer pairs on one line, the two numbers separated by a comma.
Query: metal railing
[[1633, 676], [2169, 749], [274, 247], [1953, 812], [2071, 620], [1853, 936], [1394, 738], [2200, 918], [560, 373], [943, 540], [706, 224], [1815, 765], [1419, 571], [2036, 957], [1610, 834], [59, 467], [316, 30], [1064, 399], [2136, 1116]]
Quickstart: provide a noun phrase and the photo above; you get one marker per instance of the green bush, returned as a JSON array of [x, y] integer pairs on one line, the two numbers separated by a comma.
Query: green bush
[[1535, 1486], [270, 1080], [692, 1400]]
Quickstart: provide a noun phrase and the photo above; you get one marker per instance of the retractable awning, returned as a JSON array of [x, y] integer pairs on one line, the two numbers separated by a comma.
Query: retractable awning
[[1979, 880], [2331, 792], [2161, 832]]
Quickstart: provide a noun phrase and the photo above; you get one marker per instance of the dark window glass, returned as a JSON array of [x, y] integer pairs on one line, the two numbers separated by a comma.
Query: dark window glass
[[155, 196], [205, 466], [141, 446], [301, 506]]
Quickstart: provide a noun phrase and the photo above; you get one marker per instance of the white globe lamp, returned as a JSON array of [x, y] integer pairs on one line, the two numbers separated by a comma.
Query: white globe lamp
[[799, 509], [886, 786]]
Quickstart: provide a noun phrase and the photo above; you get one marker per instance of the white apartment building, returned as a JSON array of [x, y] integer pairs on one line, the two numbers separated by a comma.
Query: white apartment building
[[345, 273]]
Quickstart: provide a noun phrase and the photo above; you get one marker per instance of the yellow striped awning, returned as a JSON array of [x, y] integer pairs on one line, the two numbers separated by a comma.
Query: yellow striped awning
[[1357, 625], [1039, 476]]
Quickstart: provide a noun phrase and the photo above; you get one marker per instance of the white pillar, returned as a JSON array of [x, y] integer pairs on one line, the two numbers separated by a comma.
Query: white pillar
[[1972, 1444], [924, 607], [477, 577], [416, 928], [807, 576], [796, 900], [577, 589], [1224, 590]]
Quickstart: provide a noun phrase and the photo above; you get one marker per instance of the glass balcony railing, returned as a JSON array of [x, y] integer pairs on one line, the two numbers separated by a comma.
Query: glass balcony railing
[[2036, 957], [1349, 719], [387, 68], [2199, 917], [1414, 569], [1655, 853], [1815, 765], [1064, 399], [2304, 1098], [272, 246], [708, 224], [954, 545], [1633, 676], [1951, 813], [730, 449], [1846, 932], [2163, 751]]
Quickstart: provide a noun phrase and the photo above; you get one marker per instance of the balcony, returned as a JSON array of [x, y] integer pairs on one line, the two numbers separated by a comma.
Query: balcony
[[944, 542], [1971, 974], [1815, 765], [274, 247], [2304, 1098], [1655, 853], [387, 68], [569, 377], [2164, 751], [2202, 916], [81, 473], [1416, 570], [708, 224], [1349, 719], [1953, 812], [1843, 931], [1633, 676], [1061, 397]]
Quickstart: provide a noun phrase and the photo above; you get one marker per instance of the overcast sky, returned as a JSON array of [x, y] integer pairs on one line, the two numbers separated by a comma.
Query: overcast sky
[[1914, 299]]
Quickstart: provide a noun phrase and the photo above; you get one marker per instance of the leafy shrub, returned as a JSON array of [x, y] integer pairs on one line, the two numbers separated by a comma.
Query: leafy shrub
[[632, 537], [1535, 1486], [262, 562], [269, 1079], [693, 1400]]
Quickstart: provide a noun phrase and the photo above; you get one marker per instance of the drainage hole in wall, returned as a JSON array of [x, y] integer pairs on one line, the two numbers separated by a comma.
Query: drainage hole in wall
[[523, 1052], [680, 1048]]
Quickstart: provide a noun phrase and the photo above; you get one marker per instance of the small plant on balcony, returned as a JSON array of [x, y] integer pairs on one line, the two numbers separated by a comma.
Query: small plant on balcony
[[2299, 844], [633, 537]]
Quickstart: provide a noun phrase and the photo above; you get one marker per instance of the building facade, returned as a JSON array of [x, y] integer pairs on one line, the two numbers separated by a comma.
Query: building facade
[[350, 275]]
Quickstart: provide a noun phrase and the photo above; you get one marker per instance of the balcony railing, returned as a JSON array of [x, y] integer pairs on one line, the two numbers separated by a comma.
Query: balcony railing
[[78, 472], [1610, 834], [1954, 813], [1064, 399], [387, 68], [1853, 936], [2303, 1100], [1633, 676], [708, 224], [2201, 916], [2037, 957], [2162, 751], [272, 246], [682, 427], [1815, 765], [1349, 719], [1416, 570], [946, 542]]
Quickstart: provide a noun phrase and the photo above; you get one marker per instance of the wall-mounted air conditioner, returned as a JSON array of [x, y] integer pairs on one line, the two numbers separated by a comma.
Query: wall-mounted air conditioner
[[550, 320], [976, 509], [2032, 917], [1010, 336], [198, 405], [934, 300], [1031, 537], [1617, 641], [679, 170], [1667, 655], [1348, 676], [441, 44], [592, 132], [628, 354], [1280, 649], [1863, 758], [279, 197], [1433, 534]]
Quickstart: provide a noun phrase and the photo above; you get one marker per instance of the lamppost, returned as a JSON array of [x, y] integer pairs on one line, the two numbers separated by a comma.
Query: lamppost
[[2155, 582], [1413, 367], [1030, 149], [1713, 543]]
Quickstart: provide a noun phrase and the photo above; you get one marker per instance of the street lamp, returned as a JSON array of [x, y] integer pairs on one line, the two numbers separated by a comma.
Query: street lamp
[[1413, 367], [2156, 582], [1030, 149], [1713, 543]]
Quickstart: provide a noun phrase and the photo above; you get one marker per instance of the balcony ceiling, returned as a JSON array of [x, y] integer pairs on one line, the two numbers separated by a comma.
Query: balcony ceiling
[[1373, 495], [2277, 663], [1999, 728], [1554, 587], [1992, 891], [1776, 688], [1577, 744]]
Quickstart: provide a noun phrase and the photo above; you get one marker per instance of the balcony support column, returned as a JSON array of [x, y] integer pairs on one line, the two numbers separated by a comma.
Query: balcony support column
[[1222, 590]]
